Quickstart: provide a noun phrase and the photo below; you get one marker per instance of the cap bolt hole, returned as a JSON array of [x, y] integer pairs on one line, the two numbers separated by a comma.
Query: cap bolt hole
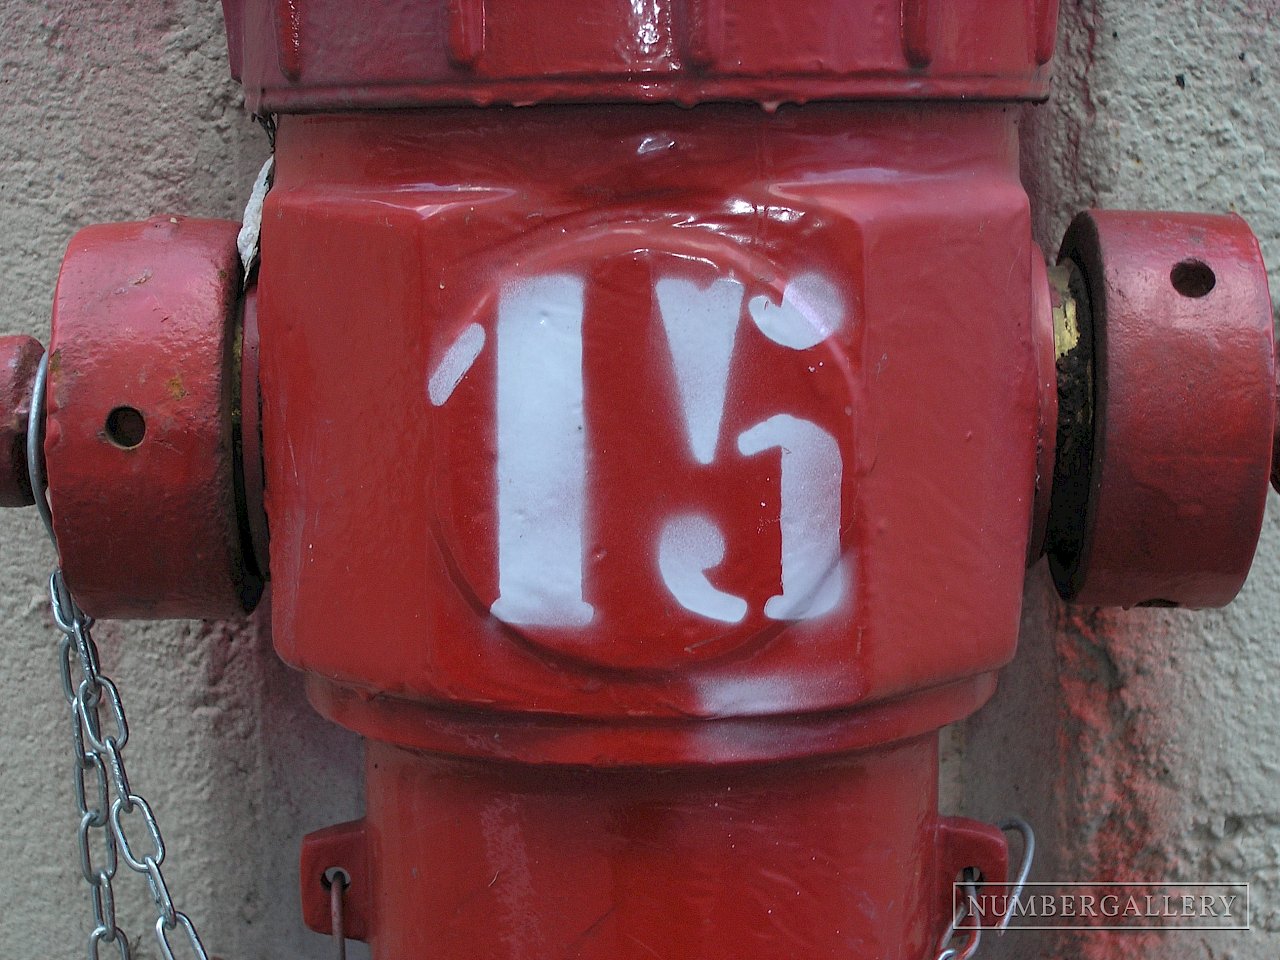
[[1192, 278], [126, 427]]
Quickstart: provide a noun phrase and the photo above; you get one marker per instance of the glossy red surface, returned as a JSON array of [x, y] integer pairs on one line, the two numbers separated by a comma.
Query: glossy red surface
[[332, 55], [1185, 408], [823, 860], [605, 440], [19, 360], [343, 847], [530, 737], [387, 238], [138, 437]]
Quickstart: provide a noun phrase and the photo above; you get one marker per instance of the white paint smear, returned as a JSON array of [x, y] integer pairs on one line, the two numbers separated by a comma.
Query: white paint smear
[[811, 310], [455, 363]]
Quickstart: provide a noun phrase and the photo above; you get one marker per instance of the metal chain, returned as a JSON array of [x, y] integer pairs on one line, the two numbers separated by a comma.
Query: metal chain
[[950, 948], [105, 800], [961, 943]]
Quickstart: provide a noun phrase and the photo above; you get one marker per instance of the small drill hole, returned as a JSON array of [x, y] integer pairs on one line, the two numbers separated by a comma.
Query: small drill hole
[[1192, 278], [126, 427]]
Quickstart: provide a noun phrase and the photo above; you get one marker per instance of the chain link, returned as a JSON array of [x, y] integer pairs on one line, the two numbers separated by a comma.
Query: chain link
[[100, 784], [104, 799], [960, 942]]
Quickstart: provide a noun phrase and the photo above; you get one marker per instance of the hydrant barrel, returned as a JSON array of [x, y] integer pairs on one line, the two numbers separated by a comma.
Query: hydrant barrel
[[704, 467], [676, 470], [343, 55]]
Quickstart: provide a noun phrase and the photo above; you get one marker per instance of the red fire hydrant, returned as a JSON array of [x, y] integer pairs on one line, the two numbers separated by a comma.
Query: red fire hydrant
[[649, 476]]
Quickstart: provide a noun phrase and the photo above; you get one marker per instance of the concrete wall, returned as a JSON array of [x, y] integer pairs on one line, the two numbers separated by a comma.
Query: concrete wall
[[1150, 736]]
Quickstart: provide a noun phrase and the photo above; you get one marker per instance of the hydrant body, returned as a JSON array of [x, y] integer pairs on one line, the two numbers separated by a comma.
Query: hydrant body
[[640, 480], [643, 475], [651, 458]]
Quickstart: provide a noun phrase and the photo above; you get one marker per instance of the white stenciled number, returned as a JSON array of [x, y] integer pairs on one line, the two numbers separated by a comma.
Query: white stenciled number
[[541, 454], [541, 436], [812, 574], [701, 325], [688, 547]]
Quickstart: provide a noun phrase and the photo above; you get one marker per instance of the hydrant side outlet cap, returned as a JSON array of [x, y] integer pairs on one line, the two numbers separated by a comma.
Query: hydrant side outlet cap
[[1183, 410], [139, 439]]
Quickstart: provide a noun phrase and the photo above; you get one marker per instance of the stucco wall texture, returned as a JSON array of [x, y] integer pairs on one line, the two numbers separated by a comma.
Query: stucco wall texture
[[1143, 744]]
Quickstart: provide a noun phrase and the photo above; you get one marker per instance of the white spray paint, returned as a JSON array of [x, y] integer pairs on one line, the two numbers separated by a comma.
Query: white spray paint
[[701, 325], [541, 454], [455, 363], [811, 310], [542, 480], [689, 546], [812, 574]]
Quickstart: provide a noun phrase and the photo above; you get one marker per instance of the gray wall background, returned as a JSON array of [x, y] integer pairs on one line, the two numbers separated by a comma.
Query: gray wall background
[[1159, 726]]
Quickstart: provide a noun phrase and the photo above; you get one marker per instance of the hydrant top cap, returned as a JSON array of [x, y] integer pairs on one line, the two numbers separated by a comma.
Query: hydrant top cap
[[346, 54]]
